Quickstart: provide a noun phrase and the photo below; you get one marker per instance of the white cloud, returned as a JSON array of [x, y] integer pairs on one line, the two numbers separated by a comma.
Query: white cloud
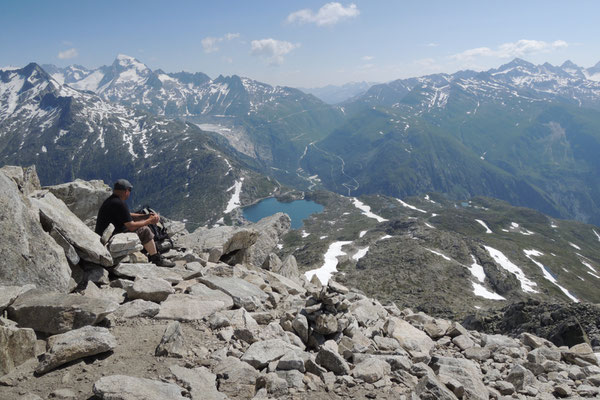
[[271, 49], [329, 14], [367, 58], [209, 43], [519, 48], [432, 44], [70, 53]]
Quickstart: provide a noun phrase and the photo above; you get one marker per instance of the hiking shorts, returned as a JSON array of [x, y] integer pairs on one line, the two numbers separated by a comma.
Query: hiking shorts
[[145, 234]]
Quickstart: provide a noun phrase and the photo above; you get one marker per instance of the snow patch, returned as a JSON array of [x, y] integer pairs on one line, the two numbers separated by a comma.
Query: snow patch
[[445, 257], [362, 233], [329, 266], [547, 274], [385, 237], [482, 291], [527, 285], [597, 235], [234, 202], [305, 234], [360, 253], [366, 210], [411, 207], [574, 245], [487, 229]]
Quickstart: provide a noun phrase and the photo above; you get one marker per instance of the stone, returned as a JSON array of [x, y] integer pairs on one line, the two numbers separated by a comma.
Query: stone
[[133, 271], [291, 361], [436, 329], [289, 267], [272, 263], [203, 292], [55, 215], [464, 371], [236, 377], [237, 319], [185, 307], [456, 329], [533, 341], [301, 327], [289, 284], [17, 345], [410, 338], [150, 289], [83, 198], [29, 255], [430, 388], [274, 385], [137, 309], [293, 378], [93, 273], [69, 250], [243, 293], [8, 294], [367, 311], [385, 343], [121, 387], [75, 344], [25, 178], [62, 394], [463, 342], [371, 370], [541, 354], [123, 244], [138, 257], [562, 390], [581, 354], [505, 388], [172, 343], [52, 312], [477, 353], [326, 324], [331, 360], [270, 230], [495, 342], [201, 383], [261, 353], [521, 377]]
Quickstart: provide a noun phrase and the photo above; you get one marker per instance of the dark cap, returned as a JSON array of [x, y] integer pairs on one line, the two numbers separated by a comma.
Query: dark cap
[[123, 184]]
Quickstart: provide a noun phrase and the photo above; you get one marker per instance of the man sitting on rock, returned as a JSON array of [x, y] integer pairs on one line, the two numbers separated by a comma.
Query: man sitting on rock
[[115, 211]]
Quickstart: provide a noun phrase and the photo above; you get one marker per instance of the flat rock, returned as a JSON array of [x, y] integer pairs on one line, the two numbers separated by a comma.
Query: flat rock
[[150, 289], [371, 370], [367, 311], [123, 244], [172, 343], [121, 387], [54, 213], [203, 292], [8, 294], [52, 312], [185, 307], [236, 377], [331, 360], [17, 345], [138, 308], [464, 371], [83, 198], [261, 353], [133, 271], [200, 381], [75, 344], [410, 338], [243, 293], [291, 286], [29, 255]]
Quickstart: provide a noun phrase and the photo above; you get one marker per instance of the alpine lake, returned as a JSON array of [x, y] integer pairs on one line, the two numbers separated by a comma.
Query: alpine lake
[[298, 210]]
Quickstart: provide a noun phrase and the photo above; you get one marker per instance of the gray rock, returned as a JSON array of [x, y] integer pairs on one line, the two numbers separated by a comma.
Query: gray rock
[[29, 255], [237, 319], [133, 271], [521, 377], [436, 328], [201, 383], [17, 345], [123, 244], [150, 289], [8, 294], [53, 313], [495, 342], [261, 353], [301, 327], [291, 361], [138, 308], [430, 388], [236, 377], [463, 342], [367, 311], [326, 324], [185, 307], [456, 329], [83, 198], [69, 250], [79, 343], [55, 214], [25, 178], [289, 267], [541, 354], [505, 388], [30, 396], [203, 292], [121, 387], [410, 338], [172, 343], [331, 360], [274, 385], [477, 353], [464, 371], [371, 370], [581, 354], [243, 293], [290, 285], [534, 342], [272, 263], [293, 378], [270, 230], [386, 344]]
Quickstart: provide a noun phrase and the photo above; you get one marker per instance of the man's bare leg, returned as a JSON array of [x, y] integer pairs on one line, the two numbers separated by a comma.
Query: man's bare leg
[[150, 247]]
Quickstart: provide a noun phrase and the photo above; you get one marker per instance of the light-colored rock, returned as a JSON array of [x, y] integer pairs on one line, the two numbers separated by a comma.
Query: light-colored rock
[[367, 311], [17, 345], [72, 345], [430, 388], [243, 293], [203, 292], [291, 361], [25, 178], [436, 328], [133, 271], [581, 354], [494, 342], [272, 263], [326, 324], [371, 370], [270, 230], [55, 214], [464, 371], [236, 377], [534, 342], [463, 342], [29, 255], [261, 353], [291, 286], [200, 382], [301, 327], [68, 248], [329, 358], [185, 307], [410, 338], [520, 377], [289, 267], [53, 312], [172, 343], [121, 387], [8, 294], [138, 308], [83, 198], [123, 244], [150, 289]]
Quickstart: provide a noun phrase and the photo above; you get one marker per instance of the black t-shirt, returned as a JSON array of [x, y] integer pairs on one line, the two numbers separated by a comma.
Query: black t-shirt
[[113, 211]]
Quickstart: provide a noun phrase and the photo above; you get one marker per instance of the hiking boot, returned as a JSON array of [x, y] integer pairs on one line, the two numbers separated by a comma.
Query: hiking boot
[[158, 260]]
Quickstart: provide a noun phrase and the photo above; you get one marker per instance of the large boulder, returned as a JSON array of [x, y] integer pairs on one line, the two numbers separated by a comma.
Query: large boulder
[[26, 178], [243, 293], [28, 254], [121, 387], [466, 372], [52, 312], [83, 198], [261, 353], [411, 339], [270, 229], [185, 307], [17, 345], [54, 214], [202, 382], [76, 344]]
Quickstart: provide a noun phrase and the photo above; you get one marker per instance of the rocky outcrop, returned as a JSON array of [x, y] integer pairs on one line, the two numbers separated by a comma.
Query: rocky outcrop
[[26, 178], [29, 255], [17, 345], [83, 198]]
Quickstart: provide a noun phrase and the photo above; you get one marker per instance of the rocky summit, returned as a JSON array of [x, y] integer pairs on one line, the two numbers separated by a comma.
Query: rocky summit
[[231, 321]]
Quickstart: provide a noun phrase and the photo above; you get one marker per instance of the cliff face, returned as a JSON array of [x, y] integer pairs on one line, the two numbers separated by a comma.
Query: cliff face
[[231, 320]]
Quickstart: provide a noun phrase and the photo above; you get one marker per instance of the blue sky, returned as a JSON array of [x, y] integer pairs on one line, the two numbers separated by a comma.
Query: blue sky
[[301, 43]]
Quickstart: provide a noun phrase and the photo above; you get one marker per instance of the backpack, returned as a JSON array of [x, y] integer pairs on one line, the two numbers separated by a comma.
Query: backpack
[[161, 237]]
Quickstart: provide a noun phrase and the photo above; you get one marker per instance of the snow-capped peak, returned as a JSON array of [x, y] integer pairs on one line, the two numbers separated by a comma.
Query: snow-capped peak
[[126, 61]]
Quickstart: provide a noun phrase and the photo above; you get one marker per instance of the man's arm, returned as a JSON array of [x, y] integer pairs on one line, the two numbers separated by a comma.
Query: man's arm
[[133, 225]]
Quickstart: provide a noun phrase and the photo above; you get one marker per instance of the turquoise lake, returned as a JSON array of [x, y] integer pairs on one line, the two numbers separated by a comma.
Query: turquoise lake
[[298, 210]]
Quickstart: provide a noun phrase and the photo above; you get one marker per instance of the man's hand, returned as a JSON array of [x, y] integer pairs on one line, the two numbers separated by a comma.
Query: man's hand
[[154, 218]]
